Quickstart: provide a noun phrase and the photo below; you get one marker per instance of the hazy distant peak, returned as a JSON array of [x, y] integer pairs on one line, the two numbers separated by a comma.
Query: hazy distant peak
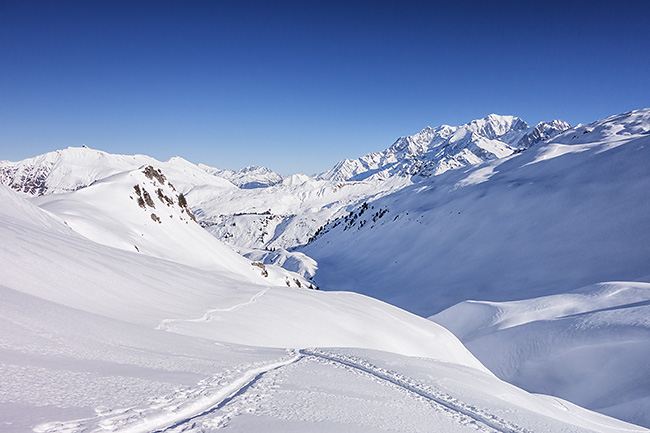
[[248, 177]]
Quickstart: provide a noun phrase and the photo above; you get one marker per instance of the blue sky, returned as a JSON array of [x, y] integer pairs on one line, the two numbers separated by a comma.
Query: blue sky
[[297, 86]]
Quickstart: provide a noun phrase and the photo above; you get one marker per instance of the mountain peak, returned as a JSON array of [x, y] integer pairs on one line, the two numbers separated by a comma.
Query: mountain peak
[[494, 126], [433, 151]]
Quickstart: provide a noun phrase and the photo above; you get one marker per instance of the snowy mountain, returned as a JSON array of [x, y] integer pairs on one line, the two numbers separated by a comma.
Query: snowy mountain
[[289, 213], [562, 215], [141, 211], [98, 338], [77, 167], [283, 213], [247, 177], [435, 150]]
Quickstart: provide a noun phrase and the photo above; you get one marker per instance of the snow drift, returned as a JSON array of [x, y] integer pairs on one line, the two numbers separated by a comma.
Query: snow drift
[[590, 346]]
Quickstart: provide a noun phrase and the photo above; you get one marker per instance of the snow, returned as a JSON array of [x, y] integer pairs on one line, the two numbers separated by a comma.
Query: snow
[[244, 307], [108, 213], [282, 215], [290, 260], [126, 316], [77, 167], [434, 151], [477, 176], [599, 136], [247, 177], [81, 351], [529, 230], [589, 346]]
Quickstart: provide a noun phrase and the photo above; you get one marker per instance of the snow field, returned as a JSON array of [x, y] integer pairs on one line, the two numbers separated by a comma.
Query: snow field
[[589, 346]]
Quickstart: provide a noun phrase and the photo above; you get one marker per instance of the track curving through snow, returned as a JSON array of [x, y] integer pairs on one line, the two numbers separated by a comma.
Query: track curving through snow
[[408, 384], [165, 325], [173, 414], [180, 412]]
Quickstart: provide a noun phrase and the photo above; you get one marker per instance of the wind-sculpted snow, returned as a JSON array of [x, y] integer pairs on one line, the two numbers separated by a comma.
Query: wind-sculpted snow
[[588, 346]]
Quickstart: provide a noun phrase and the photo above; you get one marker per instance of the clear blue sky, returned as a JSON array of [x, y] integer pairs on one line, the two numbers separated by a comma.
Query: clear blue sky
[[297, 86]]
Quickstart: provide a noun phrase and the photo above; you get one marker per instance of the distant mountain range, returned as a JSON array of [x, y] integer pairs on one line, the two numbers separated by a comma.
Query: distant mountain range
[[307, 202], [430, 152], [433, 151]]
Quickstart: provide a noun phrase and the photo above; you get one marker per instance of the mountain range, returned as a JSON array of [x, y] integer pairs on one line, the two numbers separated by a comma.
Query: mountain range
[[141, 295], [433, 151]]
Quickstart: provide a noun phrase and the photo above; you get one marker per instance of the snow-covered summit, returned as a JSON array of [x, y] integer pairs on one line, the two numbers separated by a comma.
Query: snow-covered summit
[[77, 167], [433, 151]]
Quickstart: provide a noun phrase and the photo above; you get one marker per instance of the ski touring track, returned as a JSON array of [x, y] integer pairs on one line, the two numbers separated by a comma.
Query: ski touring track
[[166, 324], [175, 416], [436, 397]]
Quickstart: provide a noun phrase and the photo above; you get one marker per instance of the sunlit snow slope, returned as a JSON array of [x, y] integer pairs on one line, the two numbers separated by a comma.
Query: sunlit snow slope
[[84, 349], [590, 346], [230, 302]]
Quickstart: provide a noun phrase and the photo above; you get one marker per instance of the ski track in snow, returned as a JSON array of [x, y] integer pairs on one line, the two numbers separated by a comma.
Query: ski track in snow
[[448, 402], [175, 412], [181, 410], [165, 324]]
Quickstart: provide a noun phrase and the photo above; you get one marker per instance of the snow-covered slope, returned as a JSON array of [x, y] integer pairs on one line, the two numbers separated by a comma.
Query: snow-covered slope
[[559, 216], [283, 215], [141, 211], [590, 346], [80, 351], [435, 150], [229, 302]]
